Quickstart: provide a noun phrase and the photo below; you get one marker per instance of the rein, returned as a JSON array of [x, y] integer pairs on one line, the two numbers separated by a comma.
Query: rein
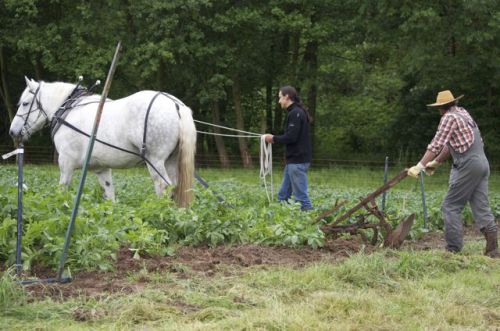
[[265, 155]]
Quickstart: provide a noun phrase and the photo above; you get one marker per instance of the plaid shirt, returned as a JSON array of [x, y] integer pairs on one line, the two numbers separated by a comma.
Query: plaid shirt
[[452, 128]]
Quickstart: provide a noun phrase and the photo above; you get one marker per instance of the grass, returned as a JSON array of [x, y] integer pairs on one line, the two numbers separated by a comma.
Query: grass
[[383, 291], [11, 293]]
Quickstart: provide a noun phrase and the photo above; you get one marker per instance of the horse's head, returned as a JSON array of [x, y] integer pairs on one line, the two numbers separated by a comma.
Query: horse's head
[[36, 107], [30, 116]]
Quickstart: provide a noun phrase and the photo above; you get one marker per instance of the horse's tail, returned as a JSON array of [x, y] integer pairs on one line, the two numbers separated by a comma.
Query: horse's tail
[[185, 160]]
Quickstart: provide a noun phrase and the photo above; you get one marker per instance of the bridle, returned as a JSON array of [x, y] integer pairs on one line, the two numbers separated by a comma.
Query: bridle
[[36, 98]]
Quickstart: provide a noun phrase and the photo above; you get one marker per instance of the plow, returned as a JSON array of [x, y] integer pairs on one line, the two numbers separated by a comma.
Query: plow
[[393, 236]]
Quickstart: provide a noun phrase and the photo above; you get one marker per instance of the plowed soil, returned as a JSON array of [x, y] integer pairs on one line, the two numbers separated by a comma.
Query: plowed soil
[[207, 262]]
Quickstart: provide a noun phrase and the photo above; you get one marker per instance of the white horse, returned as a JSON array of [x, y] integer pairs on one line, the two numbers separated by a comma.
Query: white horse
[[152, 126]]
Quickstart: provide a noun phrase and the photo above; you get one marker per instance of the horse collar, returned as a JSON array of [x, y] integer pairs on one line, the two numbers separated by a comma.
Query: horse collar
[[68, 104]]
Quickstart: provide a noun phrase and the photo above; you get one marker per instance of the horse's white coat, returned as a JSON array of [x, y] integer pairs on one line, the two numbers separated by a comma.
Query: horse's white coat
[[122, 125]]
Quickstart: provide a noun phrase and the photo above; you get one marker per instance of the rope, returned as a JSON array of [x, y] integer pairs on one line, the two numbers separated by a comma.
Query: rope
[[230, 129], [225, 135], [265, 155], [266, 165]]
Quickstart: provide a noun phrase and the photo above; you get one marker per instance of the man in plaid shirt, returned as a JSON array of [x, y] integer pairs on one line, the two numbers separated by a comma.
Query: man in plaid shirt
[[458, 135]]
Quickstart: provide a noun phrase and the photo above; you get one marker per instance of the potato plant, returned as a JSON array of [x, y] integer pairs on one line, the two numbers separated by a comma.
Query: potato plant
[[150, 225]]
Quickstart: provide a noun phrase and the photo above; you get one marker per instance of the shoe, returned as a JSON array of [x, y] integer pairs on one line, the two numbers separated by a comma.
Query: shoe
[[491, 249]]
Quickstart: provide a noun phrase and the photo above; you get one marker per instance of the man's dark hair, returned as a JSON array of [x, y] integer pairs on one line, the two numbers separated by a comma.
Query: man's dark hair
[[292, 94]]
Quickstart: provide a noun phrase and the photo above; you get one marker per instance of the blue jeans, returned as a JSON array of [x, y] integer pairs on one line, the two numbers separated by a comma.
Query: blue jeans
[[295, 181]]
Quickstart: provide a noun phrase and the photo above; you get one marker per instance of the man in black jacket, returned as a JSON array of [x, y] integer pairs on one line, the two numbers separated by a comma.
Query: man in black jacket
[[297, 141]]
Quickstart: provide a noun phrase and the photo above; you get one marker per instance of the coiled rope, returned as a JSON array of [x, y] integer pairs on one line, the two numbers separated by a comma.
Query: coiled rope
[[266, 165]]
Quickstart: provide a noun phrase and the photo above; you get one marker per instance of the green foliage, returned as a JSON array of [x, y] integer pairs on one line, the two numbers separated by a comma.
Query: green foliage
[[148, 225], [141, 221]]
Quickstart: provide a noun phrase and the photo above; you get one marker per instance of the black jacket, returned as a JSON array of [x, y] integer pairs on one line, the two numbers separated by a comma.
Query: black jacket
[[297, 138]]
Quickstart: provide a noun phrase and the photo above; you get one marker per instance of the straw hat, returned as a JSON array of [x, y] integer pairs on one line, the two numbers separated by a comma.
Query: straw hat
[[443, 98]]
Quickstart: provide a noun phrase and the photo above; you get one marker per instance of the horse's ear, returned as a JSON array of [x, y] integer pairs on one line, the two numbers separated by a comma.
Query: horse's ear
[[31, 84]]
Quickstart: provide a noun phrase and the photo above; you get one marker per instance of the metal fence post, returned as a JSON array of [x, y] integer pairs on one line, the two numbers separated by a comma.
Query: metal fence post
[[423, 199], [386, 170], [20, 180]]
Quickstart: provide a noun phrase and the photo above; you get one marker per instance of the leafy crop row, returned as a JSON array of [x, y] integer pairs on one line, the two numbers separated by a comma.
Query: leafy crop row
[[150, 225]]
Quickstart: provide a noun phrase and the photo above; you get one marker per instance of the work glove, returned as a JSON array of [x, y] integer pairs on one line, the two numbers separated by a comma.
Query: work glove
[[415, 170], [430, 168]]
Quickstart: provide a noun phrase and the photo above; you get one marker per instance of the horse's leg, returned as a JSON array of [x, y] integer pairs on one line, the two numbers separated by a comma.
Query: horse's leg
[[158, 181], [66, 168], [171, 166], [105, 179]]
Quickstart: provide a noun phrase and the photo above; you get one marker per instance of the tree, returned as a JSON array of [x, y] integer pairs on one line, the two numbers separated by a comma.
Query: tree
[[365, 69]]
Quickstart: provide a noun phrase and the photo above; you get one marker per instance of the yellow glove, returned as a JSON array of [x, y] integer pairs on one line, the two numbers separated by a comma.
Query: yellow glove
[[415, 170], [430, 168]]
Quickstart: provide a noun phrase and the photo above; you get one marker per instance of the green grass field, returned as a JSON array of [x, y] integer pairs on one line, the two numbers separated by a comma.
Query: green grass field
[[383, 290]]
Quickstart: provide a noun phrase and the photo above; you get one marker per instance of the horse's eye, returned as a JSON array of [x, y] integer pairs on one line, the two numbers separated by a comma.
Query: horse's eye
[[25, 104]]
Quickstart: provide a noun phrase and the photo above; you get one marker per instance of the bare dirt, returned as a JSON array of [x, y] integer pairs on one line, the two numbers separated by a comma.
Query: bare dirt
[[207, 262]]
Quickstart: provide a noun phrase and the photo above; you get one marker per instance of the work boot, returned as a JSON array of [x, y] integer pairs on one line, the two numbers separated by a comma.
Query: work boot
[[452, 250], [491, 249]]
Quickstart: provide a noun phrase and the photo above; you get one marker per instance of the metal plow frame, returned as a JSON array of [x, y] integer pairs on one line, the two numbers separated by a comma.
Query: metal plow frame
[[393, 238]]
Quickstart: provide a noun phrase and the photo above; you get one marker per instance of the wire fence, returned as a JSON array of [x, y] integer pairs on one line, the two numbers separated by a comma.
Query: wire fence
[[47, 154]]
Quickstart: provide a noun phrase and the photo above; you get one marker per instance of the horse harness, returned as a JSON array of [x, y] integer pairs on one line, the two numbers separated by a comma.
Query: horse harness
[[73, 101], [39, 107], [176, 103]]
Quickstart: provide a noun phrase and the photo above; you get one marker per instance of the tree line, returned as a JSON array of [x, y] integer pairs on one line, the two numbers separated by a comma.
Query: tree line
[[365, 69]]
